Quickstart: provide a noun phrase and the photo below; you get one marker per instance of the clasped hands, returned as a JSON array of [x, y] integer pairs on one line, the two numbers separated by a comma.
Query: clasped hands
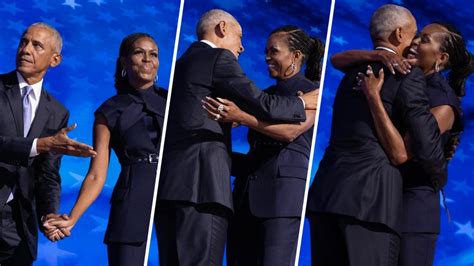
[[56, 227]]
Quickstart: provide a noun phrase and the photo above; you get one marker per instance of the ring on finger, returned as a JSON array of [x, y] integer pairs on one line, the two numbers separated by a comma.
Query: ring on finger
[[369, 71], [395, 64], [220, 108], [218, 116]]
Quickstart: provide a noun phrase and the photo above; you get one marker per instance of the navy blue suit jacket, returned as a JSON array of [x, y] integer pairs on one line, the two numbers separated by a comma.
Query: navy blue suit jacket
[[37, 179], [196, 161]]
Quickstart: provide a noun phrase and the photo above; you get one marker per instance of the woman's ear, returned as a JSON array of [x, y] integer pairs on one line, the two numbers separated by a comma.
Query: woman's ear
[[298, 55], [443, 59]]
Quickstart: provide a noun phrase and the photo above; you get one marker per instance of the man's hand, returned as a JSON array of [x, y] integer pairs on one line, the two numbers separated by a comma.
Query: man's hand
[[50, 227], [311, 99], [62, 144]]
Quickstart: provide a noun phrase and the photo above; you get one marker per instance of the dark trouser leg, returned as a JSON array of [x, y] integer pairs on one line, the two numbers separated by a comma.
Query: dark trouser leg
[[417, 249], [121, 254], [369, 243], [13, 247], [279, 237], [242, 245], [191, 234], [327, 241]]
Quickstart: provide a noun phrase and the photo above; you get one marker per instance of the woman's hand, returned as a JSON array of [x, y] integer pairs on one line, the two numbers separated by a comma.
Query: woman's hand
[[223, 110], [394, 62], [58, 227], [369, 84]]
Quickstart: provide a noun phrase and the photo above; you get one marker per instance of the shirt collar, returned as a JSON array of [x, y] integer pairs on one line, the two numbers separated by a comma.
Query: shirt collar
[[36, 87], [385, 48], [209, 43]]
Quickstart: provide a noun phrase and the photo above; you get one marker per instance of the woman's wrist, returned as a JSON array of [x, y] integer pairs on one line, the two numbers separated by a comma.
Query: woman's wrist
[[373, 96]]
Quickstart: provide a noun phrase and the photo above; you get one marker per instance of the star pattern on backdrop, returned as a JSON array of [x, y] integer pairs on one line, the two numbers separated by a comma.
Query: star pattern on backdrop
[[92, 31]]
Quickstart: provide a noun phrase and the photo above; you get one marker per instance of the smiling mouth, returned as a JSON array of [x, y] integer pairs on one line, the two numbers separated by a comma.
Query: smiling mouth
[[412, 53]]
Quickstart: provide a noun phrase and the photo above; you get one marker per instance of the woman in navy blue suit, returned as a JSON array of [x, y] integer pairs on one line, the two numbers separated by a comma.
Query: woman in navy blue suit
[[268, 195], [129, 123], [439, 47]]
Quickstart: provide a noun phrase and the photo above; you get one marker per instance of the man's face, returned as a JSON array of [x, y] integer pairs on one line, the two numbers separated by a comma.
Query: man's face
[[408, 34], [36, 53], [233, 38]]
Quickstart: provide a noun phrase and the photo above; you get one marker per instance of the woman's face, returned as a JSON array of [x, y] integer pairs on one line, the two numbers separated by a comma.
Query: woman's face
[[142, 63], [279, 57], [425, 49]]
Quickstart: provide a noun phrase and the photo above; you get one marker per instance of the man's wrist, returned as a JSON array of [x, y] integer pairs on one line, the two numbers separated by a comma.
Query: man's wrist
[[42, 145]]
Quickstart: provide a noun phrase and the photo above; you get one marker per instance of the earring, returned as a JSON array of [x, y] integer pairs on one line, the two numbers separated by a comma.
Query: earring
[[436, 67], [293, 67], [124, 73], [156, 78]]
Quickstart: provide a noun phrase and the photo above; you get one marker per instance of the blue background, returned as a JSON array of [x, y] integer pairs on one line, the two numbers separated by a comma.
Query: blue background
[[350, 31], [92, 31], [258, 19]]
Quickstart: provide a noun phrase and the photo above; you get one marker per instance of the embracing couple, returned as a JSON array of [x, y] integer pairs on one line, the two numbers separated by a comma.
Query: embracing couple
[[396, 123]]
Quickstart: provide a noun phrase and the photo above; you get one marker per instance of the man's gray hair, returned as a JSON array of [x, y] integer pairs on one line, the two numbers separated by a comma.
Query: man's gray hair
[[210, 19], [387, 19], [58, 40]]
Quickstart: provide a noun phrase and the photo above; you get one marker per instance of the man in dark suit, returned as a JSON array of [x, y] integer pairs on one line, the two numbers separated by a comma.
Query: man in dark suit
[[355, 202], [194, 194], [32, 139]]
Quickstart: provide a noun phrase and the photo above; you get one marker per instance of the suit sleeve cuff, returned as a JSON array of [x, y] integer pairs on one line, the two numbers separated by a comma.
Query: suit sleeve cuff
[[33, 151], [304, 104]]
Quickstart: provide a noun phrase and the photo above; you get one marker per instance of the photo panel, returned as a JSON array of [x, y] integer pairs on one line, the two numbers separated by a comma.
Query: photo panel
[[350, 30], [92, 32], [257, 20]]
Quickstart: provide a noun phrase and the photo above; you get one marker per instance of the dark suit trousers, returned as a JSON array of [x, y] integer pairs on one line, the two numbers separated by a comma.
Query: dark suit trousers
[[417, 249], [13, 247], [262, 241], [342, 240], [124, 254], [191, 234]]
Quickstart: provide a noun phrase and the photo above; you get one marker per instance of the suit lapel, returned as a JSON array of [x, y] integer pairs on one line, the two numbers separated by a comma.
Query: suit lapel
[[41, 117], [14, 98]]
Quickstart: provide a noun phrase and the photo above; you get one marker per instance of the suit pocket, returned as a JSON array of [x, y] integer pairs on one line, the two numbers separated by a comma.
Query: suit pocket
[[287, 171]]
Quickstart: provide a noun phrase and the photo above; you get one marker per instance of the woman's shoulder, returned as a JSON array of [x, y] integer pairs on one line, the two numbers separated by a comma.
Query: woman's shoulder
[[116, 102], [440, 92], [306, 84]]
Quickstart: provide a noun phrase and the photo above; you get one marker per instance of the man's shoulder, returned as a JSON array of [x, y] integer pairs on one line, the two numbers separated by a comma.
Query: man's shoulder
[[54, 103], [8, 79]]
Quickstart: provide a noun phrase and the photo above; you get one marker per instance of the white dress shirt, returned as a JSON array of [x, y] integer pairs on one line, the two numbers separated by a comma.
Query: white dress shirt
[[385, 48], [34, 98], [209, 43]]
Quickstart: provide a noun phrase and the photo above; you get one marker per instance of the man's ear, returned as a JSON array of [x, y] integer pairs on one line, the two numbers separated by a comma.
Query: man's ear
[[55, 60], [399, 34], [396, 37], [221, 29]]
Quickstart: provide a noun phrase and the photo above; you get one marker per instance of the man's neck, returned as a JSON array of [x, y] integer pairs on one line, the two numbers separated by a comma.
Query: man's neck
[[31, 79]]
